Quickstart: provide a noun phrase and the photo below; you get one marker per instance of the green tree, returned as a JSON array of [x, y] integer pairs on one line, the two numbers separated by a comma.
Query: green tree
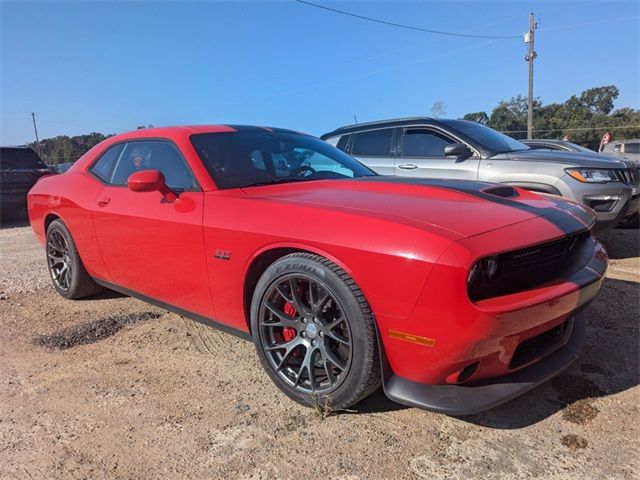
[[511, 116], [584, 118], [478, 117], [62, 149]]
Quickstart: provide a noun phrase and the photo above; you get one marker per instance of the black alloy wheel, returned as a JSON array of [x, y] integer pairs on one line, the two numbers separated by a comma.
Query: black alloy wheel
[[59, 261], [69, 276], [314, 332], [305, 334]]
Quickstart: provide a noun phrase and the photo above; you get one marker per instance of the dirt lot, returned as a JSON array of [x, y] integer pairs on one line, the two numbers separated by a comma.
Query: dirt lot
[[153, 395]]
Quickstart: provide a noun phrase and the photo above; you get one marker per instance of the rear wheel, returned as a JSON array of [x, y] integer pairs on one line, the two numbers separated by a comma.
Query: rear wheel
[[68, 274], [314, 332]]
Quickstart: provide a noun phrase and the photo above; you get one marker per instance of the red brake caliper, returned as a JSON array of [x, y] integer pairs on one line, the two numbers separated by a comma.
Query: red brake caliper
[[289, 333]]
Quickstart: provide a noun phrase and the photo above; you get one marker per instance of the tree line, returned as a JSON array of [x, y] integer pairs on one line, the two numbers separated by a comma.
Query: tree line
[[583, 118], [62, 149]]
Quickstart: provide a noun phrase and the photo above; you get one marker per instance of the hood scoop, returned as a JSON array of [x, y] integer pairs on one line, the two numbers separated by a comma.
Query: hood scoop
[[503, 191]]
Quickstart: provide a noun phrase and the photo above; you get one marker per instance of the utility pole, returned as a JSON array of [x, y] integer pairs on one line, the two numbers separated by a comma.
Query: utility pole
[[35, 129], [531, 55]]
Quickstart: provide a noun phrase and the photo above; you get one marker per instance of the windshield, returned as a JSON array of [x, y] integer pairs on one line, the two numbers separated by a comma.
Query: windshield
[[486, 137], [578, 148], [252, 158]]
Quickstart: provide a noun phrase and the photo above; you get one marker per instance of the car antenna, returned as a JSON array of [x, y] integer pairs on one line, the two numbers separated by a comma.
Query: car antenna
[[354, 117]]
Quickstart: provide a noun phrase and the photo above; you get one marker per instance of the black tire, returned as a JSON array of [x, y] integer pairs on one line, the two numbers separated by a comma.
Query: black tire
[[633, 222], [68, 275], [331, 386]]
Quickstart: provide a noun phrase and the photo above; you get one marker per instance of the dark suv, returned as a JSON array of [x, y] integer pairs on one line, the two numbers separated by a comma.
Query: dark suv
[[20, 168]]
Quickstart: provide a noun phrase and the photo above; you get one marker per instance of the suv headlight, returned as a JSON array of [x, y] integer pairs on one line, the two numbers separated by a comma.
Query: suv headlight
[[592, 175]]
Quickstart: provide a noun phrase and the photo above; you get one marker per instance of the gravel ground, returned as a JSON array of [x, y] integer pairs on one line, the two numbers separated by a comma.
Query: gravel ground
[[111, 387]]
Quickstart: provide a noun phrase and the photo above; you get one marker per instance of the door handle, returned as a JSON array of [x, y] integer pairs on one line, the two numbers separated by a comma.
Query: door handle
[[104, 201], [408, 166]]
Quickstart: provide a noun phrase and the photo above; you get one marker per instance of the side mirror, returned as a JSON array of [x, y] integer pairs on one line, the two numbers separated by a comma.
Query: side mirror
[[458, 150], [150, 181]]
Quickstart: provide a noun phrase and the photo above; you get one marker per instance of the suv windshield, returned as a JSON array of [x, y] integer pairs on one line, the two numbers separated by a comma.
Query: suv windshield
[[578, 148], [486, 137], [252, 158]]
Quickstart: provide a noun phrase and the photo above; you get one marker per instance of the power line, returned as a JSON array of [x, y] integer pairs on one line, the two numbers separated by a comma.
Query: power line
[[424, 43], [596, 22], [563, 7], [387, 69], [400, 25]]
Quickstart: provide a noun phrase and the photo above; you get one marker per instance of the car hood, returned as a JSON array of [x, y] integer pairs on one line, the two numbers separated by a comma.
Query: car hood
[[454, 208], [578, 159]]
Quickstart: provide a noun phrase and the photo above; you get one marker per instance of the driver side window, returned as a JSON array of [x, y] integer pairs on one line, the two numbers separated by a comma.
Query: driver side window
[[153, 155]]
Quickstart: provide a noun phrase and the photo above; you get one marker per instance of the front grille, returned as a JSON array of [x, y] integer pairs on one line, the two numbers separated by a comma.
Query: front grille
[[537, 346], [628, 176], [532, 267]]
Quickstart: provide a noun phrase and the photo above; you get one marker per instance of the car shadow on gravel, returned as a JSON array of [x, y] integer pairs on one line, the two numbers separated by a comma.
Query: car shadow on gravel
[[105, 294], [609, 364], [377, 402]]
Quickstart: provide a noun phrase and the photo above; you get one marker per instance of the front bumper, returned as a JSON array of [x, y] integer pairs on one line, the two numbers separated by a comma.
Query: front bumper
[[475, 397], [612, 202], [487, 337]]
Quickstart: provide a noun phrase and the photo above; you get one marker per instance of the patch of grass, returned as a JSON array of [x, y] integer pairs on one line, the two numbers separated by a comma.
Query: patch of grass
[[574, 442], [321, 410]]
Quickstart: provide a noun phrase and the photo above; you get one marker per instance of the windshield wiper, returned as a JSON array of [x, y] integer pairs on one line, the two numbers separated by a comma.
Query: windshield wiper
[[275, 182]]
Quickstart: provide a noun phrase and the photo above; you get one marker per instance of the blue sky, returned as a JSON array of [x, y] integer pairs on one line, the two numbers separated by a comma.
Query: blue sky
[[111, 66]]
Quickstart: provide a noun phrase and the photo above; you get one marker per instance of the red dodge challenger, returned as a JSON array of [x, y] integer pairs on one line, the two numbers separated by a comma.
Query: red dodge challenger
[[456, 296]]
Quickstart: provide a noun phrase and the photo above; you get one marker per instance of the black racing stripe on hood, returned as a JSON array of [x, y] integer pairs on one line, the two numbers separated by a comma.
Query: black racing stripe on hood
[[562, 219]]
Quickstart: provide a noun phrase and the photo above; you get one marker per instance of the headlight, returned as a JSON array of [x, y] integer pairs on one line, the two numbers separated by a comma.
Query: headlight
[[592, 175], [484, 270]]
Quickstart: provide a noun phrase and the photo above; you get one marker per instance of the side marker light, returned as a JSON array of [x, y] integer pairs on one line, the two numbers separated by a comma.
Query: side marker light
[[407, 337]]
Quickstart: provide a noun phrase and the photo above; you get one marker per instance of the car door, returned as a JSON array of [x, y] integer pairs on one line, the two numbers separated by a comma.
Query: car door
[[421, 154], [374, 149], [151, 245]]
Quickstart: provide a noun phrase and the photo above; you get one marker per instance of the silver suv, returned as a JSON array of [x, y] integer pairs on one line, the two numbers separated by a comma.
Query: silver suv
[[628, 149], [459, 149]]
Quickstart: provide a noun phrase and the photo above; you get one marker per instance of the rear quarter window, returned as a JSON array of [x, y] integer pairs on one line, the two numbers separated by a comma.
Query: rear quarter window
[[376, 143], [103, 168]]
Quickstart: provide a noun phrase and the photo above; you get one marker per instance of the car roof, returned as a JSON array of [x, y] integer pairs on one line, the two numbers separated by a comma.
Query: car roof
[[188, 130], [395, 122]]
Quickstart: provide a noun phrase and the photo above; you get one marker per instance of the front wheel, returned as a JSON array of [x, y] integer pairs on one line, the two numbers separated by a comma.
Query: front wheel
[[314, 332], [68, 274]]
